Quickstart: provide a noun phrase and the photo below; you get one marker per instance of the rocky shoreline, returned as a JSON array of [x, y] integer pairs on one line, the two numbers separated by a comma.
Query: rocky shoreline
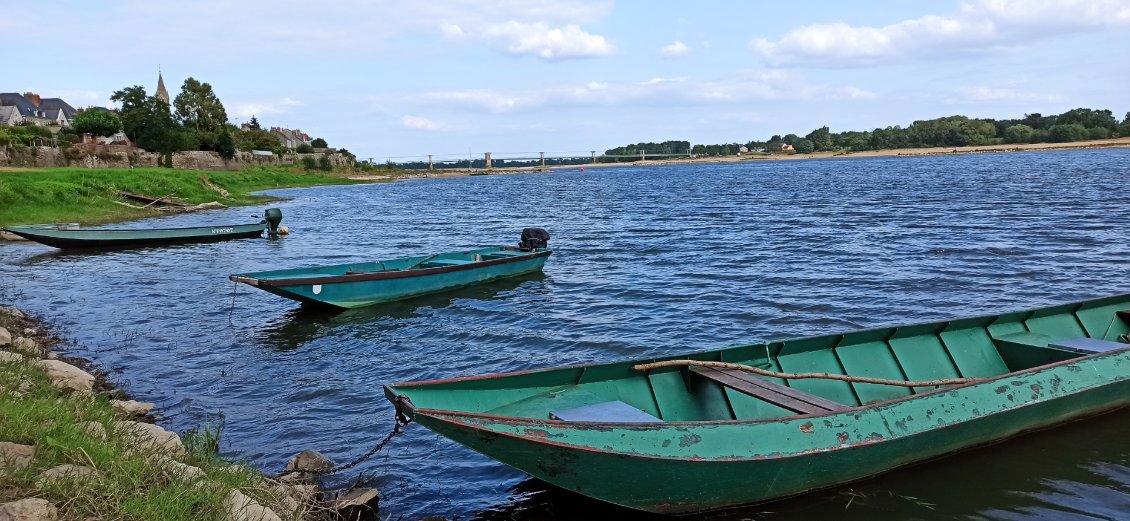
[[34, 487]]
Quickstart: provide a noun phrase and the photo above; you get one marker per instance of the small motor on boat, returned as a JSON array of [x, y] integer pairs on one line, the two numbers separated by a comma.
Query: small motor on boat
[[534, 238], [273, 216]]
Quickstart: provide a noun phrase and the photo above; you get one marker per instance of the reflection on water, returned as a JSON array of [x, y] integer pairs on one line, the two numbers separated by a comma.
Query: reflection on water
[[648, 261]]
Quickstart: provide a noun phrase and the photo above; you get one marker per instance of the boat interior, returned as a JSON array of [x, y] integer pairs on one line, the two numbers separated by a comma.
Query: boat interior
[[981, 347], [403, 264]]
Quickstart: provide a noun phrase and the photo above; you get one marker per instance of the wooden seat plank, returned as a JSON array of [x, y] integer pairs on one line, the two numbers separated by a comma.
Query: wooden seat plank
[[777, 394]]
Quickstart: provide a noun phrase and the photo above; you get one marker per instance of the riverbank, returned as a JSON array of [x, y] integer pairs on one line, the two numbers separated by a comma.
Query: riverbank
[[92, 196], [73, 448], [897, 152]]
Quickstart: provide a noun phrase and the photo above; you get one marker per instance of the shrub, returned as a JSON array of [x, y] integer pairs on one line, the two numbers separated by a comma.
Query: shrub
[[309, 163], [324, 163], [304, 149]]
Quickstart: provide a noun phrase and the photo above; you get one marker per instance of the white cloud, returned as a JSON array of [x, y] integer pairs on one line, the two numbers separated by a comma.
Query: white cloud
[[742, 88], [999, 94], [978, 26], [260, 108], [545, 42], [419, 123], [675, 50]]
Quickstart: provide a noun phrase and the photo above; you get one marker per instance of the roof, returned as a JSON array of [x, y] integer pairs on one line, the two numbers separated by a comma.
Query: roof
[[49, 104], [15, 99]]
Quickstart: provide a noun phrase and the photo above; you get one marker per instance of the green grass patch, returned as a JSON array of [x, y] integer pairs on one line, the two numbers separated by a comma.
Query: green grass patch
[[89, 196], [131, 484]]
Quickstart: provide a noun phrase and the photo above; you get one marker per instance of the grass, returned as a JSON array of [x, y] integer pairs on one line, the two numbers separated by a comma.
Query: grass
[[131, 483], [88, 195]]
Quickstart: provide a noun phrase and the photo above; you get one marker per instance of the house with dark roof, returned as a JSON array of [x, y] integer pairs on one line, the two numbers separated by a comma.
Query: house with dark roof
[[43, 112]]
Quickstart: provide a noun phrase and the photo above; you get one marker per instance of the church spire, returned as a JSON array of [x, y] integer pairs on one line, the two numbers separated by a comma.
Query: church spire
[[161, 94]]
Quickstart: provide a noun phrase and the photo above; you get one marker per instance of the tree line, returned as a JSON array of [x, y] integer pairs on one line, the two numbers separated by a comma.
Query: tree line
[[954, 131], [196, 120]]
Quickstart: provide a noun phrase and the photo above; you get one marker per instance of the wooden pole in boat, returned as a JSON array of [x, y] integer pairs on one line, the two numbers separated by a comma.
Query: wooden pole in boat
[[801, 376]]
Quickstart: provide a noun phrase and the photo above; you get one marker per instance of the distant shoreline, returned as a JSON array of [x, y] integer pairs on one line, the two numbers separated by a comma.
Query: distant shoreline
[[755, 157]]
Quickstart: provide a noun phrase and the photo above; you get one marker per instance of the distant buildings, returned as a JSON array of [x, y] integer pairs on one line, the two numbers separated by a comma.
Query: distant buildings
[[32, 108], [291, 138]]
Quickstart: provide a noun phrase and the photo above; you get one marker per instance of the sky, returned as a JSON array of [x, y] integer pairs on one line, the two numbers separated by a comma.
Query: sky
[[452, 78]]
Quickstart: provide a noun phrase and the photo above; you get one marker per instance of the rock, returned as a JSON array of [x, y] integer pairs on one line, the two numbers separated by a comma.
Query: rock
[[33, 509], [8, 356], [287, 500], [94, 429], [365, 499], [151, 437], [27, 346], [30, 331], [131, 408], [174, 469], [66, 376], [305, 466], [14, 457], [11, 312], [306, 493], [64, 472], [5, 337], [309, 461], [239, 507]]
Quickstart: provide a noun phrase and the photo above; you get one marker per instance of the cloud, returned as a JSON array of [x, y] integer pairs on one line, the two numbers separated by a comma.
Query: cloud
[[419, 123], [675, 50], [246, 109], [775, 85], [536, 39], [979, 26], [999, 94]]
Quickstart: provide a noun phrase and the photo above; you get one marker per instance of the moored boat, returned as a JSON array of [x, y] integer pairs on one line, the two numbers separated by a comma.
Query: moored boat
[[75, 237], [754, 423], [368, 283]]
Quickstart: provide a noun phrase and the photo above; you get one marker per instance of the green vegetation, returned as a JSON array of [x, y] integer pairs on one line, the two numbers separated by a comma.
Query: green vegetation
[[132, 484], [23, 134], [88, 196], [97, 122], [953, 131]]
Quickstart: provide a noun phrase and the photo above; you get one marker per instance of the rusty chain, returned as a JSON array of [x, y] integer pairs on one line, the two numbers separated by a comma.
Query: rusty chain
[[401, 421]]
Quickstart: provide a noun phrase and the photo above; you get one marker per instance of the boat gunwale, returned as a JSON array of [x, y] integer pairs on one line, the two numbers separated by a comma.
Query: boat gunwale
[[54, 228], [383, 275], [464, 419], [392, 394]]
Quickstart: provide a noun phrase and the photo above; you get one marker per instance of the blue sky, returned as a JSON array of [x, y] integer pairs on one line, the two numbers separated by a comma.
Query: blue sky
[[515, 77]]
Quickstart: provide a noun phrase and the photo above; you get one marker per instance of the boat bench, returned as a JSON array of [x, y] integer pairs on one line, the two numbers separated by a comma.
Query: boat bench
[[442, 263], [608, 412], [774, 393], [1081, 345]]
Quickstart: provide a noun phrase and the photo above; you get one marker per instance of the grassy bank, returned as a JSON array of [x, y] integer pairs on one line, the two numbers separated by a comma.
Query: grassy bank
[[131, 483], [89, 196]]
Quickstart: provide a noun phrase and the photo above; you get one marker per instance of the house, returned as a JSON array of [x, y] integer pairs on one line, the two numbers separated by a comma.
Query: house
[[39, 111], [10, 116], [785, 147], [291, 138]]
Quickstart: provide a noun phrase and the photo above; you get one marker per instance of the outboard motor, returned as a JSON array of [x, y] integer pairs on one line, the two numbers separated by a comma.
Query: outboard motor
[[534, 238], [273, 216]]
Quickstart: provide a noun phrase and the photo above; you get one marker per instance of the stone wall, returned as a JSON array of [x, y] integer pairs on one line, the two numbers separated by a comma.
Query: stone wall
[[124, 156]]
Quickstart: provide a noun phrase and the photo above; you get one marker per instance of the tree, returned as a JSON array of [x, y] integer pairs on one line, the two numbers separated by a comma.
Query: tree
[[304, 148], [148, 122], [1067, 133], [97, 122], [1124, 129], [254, 123], [136, 106], [324, 163], [821, 139], [1019, 133], [225, 145], [198, 108], [804, 146], [319, 143]]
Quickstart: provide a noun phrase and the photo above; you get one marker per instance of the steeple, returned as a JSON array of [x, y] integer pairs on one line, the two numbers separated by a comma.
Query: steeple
[[161, 94]]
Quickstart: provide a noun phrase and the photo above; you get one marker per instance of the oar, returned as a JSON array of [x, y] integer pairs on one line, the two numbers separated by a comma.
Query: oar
[[421, 261]]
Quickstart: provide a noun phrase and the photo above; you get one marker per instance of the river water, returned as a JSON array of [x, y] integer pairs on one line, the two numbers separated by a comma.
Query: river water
[[648, 260]]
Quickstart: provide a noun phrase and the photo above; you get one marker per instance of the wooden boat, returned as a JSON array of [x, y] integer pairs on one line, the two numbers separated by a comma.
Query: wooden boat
[[693, 436], [73, 237], [367, 283]]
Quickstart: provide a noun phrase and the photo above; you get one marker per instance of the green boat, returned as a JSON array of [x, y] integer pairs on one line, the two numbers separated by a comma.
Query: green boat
[[719, 429], [367, 283], [76, 237]]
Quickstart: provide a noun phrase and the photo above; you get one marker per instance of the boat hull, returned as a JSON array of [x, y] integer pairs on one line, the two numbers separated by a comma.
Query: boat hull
[[111, 239], [338, 286], [680, 438], [807, 453]]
